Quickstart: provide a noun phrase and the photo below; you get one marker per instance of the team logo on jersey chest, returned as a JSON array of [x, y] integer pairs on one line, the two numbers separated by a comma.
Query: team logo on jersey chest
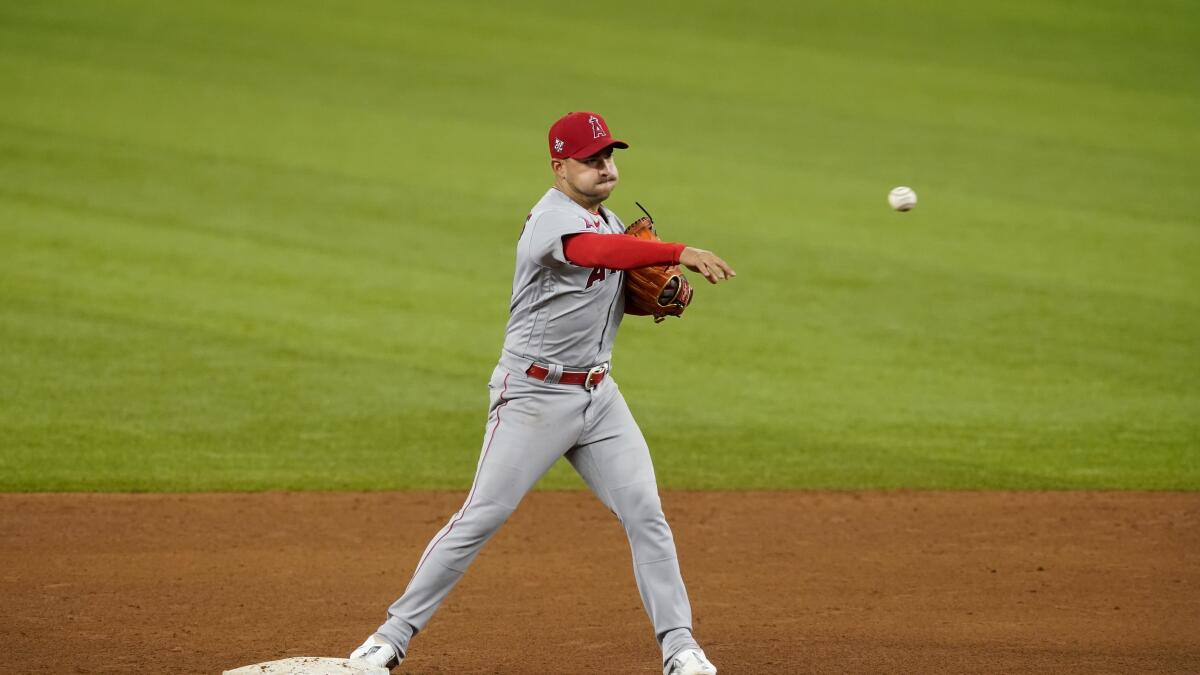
[[598, 274]]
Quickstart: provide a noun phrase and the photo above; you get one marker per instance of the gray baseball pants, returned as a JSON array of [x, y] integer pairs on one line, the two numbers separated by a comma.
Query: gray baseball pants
[[530, 425]]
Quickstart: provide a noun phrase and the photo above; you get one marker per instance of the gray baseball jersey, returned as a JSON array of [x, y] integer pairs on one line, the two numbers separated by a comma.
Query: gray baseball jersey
[[561, 313], [562, 316]]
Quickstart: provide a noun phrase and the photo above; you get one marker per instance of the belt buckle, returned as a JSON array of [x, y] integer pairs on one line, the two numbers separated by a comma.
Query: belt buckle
[[600, 370]]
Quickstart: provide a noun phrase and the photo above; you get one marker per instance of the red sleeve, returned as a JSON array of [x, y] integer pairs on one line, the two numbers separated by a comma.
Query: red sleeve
[[619, 251]]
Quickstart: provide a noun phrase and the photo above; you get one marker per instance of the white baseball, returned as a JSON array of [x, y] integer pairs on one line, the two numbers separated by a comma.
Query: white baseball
[[902, 198]]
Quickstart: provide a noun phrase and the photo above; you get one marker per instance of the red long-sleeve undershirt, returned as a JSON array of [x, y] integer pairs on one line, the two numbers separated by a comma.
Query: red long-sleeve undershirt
[[619, 251]]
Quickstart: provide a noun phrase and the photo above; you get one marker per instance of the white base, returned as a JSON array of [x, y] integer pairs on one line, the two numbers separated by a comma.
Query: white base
[[309, 665]]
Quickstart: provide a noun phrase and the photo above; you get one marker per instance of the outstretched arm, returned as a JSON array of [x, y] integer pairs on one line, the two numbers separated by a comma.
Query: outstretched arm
[[619, 251], [623, 252]]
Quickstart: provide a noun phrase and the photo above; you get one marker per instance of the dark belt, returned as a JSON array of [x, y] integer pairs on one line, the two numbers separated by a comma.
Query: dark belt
[[588, 378]]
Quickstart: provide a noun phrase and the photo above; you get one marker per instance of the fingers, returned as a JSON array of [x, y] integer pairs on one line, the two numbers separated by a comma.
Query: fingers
[[714, 269], [726, 270], [707, 263]]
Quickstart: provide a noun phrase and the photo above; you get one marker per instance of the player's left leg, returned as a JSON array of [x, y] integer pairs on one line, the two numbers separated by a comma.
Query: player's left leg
[[614, 460]]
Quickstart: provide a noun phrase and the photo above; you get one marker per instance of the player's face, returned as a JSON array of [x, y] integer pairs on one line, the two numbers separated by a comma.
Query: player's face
[[593, 177]]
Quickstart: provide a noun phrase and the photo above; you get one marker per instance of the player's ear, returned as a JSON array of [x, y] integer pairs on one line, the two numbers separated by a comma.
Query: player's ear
[[558, 166]]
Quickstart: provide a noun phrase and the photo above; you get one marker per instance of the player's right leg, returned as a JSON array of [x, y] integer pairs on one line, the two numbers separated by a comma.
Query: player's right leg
[[530, 425]]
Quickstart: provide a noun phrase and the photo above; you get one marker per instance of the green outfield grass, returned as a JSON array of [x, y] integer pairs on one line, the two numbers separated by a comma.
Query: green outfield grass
[[271, 246]]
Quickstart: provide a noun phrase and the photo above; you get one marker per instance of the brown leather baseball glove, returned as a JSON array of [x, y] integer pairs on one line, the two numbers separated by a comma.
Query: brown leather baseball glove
[[659, 291]]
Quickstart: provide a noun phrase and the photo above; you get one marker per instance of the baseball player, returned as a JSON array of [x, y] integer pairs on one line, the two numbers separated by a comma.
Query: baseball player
[[552, 395]]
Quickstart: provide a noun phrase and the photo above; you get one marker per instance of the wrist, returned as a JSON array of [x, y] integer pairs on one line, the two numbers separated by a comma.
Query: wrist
[[677, 254], [686, 253]]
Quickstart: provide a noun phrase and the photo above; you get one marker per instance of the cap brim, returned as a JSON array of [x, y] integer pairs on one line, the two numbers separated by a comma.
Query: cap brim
[[598, 145]]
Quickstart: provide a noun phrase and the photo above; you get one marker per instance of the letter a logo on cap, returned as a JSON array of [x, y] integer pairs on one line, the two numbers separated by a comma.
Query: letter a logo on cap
[[578, 135]]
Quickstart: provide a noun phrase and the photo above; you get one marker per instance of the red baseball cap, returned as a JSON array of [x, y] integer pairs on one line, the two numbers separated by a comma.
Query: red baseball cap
[[579, 135]]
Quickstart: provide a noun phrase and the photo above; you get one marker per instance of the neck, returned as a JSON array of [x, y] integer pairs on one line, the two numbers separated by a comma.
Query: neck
[[592, 205]]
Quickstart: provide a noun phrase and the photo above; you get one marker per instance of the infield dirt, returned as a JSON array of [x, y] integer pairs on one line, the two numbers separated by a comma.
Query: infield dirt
[[794, 582]]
